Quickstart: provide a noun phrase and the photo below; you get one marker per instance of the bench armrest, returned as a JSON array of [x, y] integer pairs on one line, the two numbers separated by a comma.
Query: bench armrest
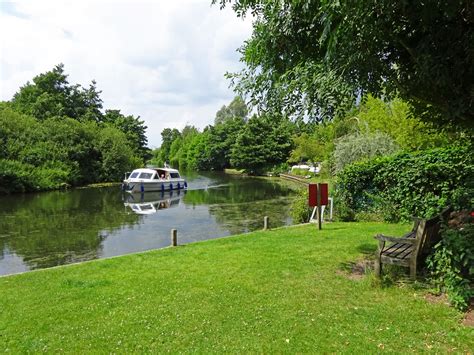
[[384, 238]]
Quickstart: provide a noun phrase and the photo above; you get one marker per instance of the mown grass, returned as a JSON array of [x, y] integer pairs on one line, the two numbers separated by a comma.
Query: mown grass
[[275, 291]]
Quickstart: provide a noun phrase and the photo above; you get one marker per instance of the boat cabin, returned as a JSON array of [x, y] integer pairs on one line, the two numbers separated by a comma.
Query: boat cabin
[[154, 174]]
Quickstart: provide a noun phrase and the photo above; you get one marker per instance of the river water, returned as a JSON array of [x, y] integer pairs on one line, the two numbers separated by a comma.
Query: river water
[[55, 228]]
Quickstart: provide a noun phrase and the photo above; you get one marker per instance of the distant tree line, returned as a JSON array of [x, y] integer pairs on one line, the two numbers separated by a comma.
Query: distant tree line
[[254, 144], [269, 142], [55, 134]]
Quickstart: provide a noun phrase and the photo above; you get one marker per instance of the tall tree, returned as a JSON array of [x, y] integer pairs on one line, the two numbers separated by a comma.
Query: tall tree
[[222, 138], [236, 109], [262, 143], [315, 57], [168, 136], [134, 129], [51, 95]]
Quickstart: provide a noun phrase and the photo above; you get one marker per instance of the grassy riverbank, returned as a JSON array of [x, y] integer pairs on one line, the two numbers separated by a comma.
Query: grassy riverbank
[[279, 291]]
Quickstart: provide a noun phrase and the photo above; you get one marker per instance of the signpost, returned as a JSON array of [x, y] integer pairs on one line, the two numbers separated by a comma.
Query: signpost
[[318, 196]]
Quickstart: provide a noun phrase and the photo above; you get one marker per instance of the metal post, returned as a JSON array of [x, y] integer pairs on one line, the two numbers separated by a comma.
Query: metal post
[[174, 237], [318, 199], [265, 223]]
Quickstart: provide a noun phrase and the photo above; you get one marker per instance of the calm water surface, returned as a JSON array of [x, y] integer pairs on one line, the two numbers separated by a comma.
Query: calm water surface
[[55, 228]]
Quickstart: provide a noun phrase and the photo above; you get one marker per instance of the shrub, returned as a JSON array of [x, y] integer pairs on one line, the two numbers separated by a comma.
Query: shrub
[[300, 210], [408, 184], [15, 176], [451, 265], [359, 146]]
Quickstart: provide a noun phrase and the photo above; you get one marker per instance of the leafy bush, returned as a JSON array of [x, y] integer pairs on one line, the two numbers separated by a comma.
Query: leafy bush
[[55, 152], [452, 264], [360, 146], [408, 184], [280, 168], [14, 176], [301, 172], [300, 211]]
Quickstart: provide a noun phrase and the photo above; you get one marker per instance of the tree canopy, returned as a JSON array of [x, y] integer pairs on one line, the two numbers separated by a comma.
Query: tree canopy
[[314, 58], [54, 134]]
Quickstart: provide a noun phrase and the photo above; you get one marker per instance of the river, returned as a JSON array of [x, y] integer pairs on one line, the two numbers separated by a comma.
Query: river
[[47, 229]]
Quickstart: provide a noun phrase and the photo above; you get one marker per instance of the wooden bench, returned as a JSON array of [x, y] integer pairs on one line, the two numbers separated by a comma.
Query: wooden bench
[[411, 248]]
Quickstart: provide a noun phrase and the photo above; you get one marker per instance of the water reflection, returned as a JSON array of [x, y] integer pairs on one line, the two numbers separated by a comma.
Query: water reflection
[[55, 228], [151, 202]]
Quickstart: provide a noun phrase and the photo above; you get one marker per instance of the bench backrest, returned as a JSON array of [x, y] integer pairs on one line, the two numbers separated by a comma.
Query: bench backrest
[[429, 232]]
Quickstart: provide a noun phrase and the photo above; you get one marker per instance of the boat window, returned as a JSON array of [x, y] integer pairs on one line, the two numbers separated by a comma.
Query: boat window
[[161, 173], [174, 175], [145, 175], [133, 176]]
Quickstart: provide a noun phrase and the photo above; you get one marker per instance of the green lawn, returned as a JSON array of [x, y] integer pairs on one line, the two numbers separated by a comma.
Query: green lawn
[[276, 291]]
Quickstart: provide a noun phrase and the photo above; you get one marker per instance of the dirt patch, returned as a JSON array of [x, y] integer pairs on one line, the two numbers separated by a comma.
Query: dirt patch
[[356, 270], [468, 320], [441, 298]]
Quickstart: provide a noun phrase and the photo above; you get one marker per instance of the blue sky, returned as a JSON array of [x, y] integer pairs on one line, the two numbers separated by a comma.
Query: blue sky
[[161, 60]]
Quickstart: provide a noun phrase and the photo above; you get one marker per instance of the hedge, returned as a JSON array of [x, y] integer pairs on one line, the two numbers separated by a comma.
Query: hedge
[[408, 184]]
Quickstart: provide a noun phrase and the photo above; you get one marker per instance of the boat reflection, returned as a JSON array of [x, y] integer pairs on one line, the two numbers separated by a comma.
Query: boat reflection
[[151, 202]]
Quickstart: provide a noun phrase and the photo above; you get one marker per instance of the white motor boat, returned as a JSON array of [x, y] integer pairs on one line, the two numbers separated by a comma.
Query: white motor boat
[[151, 179]]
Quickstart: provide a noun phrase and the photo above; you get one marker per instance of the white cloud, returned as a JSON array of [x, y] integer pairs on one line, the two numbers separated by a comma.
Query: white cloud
[[162, 61]]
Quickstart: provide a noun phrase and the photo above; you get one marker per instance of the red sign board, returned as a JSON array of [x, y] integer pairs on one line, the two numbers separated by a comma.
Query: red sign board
[[324, 194], [313, 194]]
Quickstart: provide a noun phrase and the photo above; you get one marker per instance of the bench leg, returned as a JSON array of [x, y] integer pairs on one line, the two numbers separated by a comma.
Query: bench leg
[[413, 270], [377, 267]]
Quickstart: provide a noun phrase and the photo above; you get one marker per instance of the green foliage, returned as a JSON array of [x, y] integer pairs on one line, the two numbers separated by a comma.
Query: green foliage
[[300, 210], [314, 58], [300, 172], [236, 109], [51, 95], [395, 119], [221, 139], [452, 265], [14, 176], [408, 184], [53, 134], [261, 144], [50, 154], [306, 149], [374, 128], [134, 129], [156, 159], [168, 136], [361, 146]]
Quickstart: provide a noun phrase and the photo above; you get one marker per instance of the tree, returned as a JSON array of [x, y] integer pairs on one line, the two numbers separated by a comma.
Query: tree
[[168, 136], [306, 148], [51, 95], [395, 119], [236, 109], [262, 143], [221, 139], [362, 146], [134, 129], [316, 57]]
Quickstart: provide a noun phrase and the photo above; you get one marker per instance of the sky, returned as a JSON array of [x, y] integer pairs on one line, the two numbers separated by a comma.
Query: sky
[[161, 60]]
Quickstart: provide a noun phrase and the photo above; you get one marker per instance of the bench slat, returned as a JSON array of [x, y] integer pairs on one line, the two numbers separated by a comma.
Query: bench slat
[[398, 250]]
